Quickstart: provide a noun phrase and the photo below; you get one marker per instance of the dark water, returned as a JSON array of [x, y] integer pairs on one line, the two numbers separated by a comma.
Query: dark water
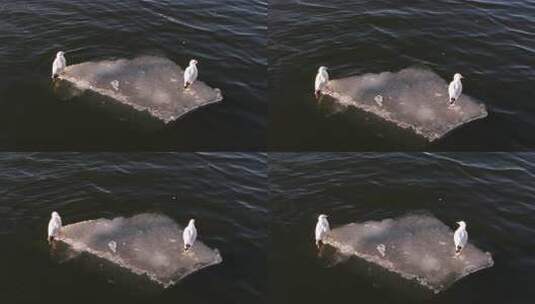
[[491, 42], [493, 193], [226, 193], [227, 37]]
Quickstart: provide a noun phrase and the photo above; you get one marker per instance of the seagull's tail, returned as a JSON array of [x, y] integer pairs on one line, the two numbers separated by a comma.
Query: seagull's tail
[[187, 247], [452, 100], [317, 94], [187, 85], [458, 249]]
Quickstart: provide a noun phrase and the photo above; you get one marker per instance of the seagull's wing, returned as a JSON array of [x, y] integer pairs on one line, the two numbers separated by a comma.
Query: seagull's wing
[[464, 238], [317, 85], [321, 80], [53, 227], [189, 235], [55, 67], [460, 237], [321, 228], [190, 75], [459, 89], [455, 89], [50, 227], [187, 74], [451, 90], [186, 236], [193, 235], [318, 231], [456, 238], [195, 74]]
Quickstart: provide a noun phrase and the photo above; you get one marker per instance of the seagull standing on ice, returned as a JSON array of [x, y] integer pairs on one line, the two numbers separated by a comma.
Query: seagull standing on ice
[[321, 81], [322, 227], [189, 235], [59, 64], [54, 226], [460, 238], [191, 73], [456, 88]]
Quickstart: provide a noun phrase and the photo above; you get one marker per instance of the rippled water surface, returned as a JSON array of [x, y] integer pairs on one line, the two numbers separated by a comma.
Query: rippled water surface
[[225, 193], [493, 193], [227, 37], [491, 42]]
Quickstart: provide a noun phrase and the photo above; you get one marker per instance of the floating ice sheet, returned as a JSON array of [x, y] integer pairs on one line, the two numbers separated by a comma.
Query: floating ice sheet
[[146, 244], [411, 98], [418, 247], [146, 83]]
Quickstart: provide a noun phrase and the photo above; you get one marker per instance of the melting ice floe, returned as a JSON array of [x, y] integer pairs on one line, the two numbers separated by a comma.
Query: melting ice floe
[[417, 247], [145, 244], [146, 83], [412, 98]]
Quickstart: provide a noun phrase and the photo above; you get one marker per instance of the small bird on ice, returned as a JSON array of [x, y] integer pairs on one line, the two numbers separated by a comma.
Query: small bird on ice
[[189, 235], [456, 88], [191, 73], [321, 81], [54, 226], [322, 227], [460, 238], [59, 64]]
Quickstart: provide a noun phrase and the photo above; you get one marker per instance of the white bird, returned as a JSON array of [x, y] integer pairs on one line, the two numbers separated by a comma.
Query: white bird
[[189, 235], [191, 73], [321, 80], [456, 88], [322, 227], [460, 237], [60, 63], [54, 226]]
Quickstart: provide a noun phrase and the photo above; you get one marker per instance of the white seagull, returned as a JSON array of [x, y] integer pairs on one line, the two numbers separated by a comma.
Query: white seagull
[[54, 226], [456, 88], [460, 237], [321, 80], [191, 73], [322, 227], [59, 64], [189, 235]]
